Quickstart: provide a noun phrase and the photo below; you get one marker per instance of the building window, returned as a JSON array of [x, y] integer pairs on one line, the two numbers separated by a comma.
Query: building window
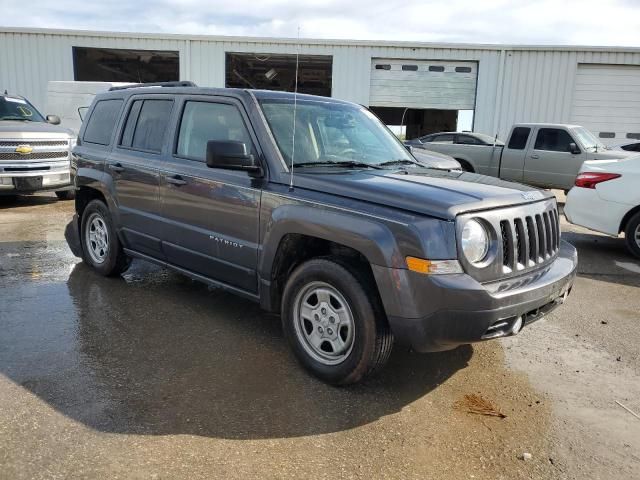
[[123, 65], [607, 134], [436, 68], [463, 69], [277, 71], [410, 68], [383, 67], [633, 136]]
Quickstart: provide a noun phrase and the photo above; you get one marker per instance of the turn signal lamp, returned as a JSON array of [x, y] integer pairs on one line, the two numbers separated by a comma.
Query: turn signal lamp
[[433, 267]]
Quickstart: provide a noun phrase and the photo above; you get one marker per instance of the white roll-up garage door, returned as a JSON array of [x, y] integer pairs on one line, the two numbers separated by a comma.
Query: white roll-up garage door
[[606, 100], [443, 85]]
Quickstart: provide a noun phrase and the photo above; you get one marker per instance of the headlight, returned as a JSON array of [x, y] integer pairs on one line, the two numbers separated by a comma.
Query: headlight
[[474, 241]]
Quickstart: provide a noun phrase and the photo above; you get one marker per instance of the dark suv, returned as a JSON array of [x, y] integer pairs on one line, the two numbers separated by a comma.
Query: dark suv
[[335, 226]]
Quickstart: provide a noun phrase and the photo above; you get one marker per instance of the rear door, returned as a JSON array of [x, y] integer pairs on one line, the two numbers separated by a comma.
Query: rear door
[[135, 167], [511, 165], [211, 215], [550, 162]]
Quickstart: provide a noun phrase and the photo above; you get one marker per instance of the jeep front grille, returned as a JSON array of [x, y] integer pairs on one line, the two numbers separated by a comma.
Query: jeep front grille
[[529, 241], [523, 238]]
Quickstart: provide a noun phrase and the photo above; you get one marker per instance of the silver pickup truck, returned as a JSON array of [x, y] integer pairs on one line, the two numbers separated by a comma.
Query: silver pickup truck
[[541, 154], [34, 150]]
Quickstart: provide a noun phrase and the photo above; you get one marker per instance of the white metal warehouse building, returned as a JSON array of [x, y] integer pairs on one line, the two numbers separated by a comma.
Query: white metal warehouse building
[[422, 84]]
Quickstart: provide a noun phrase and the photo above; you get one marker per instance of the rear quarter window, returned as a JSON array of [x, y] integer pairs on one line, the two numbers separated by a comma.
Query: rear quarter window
[[102, 122], [519, 138]]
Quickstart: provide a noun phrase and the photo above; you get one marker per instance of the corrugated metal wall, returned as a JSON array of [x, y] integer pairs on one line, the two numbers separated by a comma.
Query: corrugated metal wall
[[538, 85], [513, 84]]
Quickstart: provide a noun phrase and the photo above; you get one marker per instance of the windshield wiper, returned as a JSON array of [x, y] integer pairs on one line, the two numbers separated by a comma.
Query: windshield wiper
[[345, 163], [401, 161]]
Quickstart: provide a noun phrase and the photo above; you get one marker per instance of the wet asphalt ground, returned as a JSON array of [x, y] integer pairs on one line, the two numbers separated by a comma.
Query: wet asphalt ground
[[155, 376]]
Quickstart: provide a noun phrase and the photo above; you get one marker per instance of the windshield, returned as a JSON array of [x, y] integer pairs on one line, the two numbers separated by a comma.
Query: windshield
[[329, 132], [13, 108], [588, 139]]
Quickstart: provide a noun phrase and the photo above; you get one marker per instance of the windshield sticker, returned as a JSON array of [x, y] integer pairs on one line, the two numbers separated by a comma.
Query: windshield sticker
[[15, 100], [25, 111]]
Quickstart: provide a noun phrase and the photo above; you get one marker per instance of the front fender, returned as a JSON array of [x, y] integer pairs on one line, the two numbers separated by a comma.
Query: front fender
[[369, 236]]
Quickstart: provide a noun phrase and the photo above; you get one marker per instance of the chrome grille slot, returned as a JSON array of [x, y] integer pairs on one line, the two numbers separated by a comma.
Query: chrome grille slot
[[507, 253], [532, 233], [521, 244], [542, 238]]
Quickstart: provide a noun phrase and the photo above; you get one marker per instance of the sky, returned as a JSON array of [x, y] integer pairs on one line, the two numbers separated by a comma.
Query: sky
[[551, 22]]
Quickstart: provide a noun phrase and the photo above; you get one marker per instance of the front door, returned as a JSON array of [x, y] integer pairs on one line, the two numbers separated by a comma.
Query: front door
[[211, 215], [550, 162], [135, 167]]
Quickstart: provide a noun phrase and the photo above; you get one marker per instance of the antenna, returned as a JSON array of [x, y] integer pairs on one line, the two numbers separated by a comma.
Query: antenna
[[295, 108]]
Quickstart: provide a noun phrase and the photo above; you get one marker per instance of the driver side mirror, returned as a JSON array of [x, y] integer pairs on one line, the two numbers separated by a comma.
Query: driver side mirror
[[230, 155], [53, 119], [573, 148]]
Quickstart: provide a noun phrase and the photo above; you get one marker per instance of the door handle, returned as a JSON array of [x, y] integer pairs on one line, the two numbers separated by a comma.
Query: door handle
[[116, 167], [534, 156], [176, 180]]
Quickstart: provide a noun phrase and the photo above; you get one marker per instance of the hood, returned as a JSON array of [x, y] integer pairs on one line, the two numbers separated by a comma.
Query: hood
[[429, 192], [16, 130], [436, 160]]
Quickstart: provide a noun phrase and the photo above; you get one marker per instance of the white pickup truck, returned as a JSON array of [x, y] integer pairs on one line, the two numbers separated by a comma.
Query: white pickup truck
[[541, 154]]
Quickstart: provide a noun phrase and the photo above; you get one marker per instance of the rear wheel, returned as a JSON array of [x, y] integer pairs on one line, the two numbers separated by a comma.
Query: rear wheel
[[632, 234], [66, 195], [101, 247], [336, 329]]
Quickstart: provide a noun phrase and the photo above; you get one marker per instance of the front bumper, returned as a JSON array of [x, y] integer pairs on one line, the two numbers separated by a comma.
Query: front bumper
[[37, 181], [440, 312]]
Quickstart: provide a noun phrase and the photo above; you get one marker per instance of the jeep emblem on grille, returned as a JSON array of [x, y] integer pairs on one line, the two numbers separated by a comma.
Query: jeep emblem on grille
[[531, 195], [24, 149]]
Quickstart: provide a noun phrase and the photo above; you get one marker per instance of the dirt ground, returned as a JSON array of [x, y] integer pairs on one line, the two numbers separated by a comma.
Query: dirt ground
[[155, 376]]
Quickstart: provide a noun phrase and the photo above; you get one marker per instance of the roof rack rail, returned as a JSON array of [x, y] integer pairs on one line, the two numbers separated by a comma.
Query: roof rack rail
[[157, 84]]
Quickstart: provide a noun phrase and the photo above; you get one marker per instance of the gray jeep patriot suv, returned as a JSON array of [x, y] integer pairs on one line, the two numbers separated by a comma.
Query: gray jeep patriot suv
[[312, 207]]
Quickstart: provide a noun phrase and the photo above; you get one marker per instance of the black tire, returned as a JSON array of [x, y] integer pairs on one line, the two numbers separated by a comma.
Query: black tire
[[372, 339], [466, 166], [632, 234], [66, 194], [115, 261]]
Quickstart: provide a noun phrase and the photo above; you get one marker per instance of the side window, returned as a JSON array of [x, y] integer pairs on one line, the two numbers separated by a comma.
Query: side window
[[519, 137], [445, 138], [102, 122], [130, 126], [152, 124], [204, 121], [468, 140], [553, 139]]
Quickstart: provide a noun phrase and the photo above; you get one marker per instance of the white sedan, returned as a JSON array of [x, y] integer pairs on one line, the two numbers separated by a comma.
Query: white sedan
[[606, 198]]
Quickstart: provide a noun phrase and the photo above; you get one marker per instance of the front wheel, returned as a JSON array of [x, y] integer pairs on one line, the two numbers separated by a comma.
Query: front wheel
[[334, 322], [101, 248], [632, 235]]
